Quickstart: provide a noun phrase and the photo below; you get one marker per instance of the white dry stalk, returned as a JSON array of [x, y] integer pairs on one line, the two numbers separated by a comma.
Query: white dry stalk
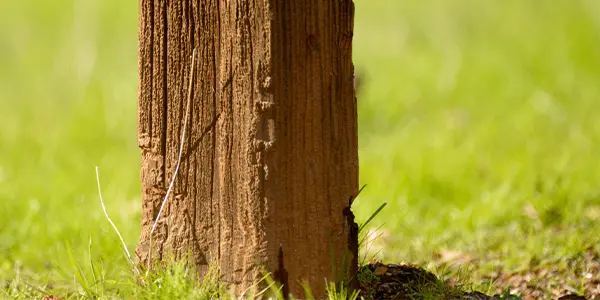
[[187, 108], [172, 180], [113, 224]]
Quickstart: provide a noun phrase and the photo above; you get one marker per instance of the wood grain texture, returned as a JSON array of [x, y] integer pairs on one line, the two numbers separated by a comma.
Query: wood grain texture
[[270, 157]]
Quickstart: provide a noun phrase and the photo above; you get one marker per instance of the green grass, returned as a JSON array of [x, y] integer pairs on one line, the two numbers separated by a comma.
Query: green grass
[[477, 124], [474, 112], [478, 127]]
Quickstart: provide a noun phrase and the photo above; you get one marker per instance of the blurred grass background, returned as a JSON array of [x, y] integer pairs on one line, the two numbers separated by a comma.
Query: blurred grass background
[[68, 89], [477, 124]]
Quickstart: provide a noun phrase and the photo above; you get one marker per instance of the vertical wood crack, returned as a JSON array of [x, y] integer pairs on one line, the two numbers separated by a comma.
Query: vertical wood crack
[[281, 274], [165, 95]]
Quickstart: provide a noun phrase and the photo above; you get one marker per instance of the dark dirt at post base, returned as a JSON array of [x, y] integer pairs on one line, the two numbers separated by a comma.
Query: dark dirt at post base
[[404, 281]]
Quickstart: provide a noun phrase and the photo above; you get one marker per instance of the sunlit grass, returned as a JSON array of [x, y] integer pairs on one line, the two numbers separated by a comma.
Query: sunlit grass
[[477, 127]]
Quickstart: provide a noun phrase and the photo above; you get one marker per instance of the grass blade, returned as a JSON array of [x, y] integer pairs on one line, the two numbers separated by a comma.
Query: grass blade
[[372, 216]]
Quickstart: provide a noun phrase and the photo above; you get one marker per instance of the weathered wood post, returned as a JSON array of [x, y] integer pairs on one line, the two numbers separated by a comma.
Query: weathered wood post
[[270, 156]]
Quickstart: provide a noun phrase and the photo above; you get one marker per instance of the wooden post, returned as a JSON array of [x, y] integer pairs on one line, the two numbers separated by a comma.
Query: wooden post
[[270, 157]]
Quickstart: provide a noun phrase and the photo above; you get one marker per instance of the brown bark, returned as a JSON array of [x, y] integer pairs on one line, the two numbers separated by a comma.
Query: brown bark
[[270, 156]]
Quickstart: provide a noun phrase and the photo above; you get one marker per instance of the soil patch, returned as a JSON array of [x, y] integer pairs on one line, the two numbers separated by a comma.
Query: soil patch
[[404, 281]]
